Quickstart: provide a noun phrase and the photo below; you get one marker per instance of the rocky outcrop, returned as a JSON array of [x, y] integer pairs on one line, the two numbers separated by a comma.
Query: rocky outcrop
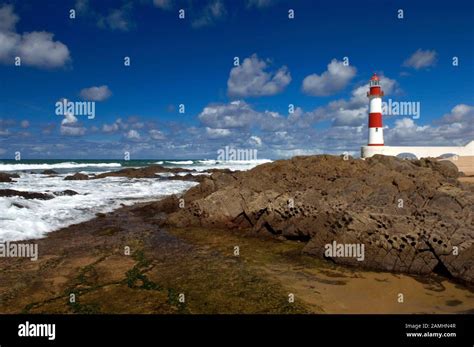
[[67, 192], [26, 195], [49, 172], [6, 177], [77, 177], [144, 172], [410, 216]]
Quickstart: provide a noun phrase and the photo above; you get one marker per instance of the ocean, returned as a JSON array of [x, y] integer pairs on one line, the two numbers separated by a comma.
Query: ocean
[[22, 219]]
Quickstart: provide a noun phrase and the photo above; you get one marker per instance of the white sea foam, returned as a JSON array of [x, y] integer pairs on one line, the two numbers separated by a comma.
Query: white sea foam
[[65, 165], [22, 219], [234, 165], [181, 162]]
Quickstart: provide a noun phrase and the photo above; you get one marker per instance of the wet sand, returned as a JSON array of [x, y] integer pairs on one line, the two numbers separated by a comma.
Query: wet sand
[[89, 261]]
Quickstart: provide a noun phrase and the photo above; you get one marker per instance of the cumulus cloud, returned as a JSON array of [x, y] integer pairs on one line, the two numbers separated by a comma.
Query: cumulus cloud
[[260, 3], [350, 112], [461, 113], [8, 18], [251, 79], [117, 19], [163, 4], [132, 135], [70, 126], [157, 135], [110, 128], [334, 79], [212, 12], [216, 133], [96, 93], [237, 114], [35, 48], [421, 59], [407, 132], [255, 141]]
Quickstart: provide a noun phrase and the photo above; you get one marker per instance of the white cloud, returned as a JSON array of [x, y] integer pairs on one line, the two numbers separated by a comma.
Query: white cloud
[[72, 130], [25, 124], [212, 12], [117, 19], [251, 79], [70, 126], [157, 135], [329, 82], [260, 3], [163, 4], [237, 114], [407, 132], [35, 48], [8, 18], [255, 141], [459, 114], [421, 59], [216, 133], [132, 135], [96, 93], [110, 128]]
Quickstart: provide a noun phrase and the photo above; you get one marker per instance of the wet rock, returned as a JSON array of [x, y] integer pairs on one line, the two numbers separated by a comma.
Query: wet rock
[[67, 192], [144, 172], [49, 172], [26, 195], [411, 216], [6, 177], [77, 177]]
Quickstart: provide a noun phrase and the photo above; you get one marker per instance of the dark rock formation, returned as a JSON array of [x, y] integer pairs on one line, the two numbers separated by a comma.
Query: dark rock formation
[[76, 177], [26, 195], [411, 216], [144, 172], [6, 177], [49, 172], [67, 192]]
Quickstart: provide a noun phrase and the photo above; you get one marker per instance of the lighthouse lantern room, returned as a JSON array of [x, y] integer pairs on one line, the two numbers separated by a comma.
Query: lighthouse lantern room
[[375, 112]]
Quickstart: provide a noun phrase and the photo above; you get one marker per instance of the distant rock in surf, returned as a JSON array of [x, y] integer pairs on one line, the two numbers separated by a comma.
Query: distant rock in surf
[[26, 195], [6, 177], [76, 177]]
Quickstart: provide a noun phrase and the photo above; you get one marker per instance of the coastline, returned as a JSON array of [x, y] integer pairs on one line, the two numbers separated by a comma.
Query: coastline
[[132, 260], [88, 259]]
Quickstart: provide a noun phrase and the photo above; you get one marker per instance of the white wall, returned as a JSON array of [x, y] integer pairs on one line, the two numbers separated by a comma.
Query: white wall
[[419, 152]]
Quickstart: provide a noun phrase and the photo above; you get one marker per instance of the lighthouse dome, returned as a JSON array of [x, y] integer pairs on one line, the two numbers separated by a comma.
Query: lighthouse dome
[[374, 77]]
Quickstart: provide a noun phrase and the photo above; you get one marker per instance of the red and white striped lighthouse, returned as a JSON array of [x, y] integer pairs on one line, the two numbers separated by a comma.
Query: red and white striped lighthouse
[[375, 112]]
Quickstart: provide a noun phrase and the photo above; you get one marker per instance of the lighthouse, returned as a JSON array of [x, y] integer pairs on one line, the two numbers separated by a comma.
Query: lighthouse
[[376, 144], [375, 112]]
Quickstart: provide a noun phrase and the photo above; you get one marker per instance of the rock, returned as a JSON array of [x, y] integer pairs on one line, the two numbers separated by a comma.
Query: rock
[[412, 216], [144, 172], [67, 192], [26, 195], [6, 177], [49, 172], [77, 177], [187, 177]]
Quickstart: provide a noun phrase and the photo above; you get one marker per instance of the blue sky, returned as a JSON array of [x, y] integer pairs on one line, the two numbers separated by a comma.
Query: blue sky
[[190, 61]]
